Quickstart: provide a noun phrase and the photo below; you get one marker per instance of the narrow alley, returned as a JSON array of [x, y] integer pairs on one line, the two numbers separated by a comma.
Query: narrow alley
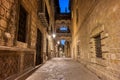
[[59, 39], [62, 69]]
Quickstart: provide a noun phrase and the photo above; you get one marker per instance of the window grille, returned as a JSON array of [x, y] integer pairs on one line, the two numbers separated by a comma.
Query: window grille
[[98, 46]]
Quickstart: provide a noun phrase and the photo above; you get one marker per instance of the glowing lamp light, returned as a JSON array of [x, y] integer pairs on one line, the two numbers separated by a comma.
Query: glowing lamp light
[[54, 35], [58, 42]]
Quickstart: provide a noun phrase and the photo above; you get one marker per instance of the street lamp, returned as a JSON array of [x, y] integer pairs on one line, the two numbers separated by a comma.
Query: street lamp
[[58, 42], [54, 35]]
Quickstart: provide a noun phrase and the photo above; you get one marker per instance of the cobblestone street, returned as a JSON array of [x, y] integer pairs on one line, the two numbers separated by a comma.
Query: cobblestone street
[[62, 69]]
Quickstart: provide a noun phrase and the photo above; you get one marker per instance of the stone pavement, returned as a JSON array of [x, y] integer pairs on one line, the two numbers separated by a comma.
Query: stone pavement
[[62, 69]]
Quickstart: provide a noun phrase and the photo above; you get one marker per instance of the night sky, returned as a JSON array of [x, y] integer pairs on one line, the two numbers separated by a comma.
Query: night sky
[[64, 6], [62, 42]]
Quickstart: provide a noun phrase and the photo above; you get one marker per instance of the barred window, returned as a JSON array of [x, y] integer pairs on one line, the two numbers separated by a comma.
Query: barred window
[[78, 50], [22, 28], [98, 46]]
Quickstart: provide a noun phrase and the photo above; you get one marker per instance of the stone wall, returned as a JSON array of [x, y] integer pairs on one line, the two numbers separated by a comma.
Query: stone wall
[[8, 12], [9, 62], [99, 17], [15, 56], [13, 62]]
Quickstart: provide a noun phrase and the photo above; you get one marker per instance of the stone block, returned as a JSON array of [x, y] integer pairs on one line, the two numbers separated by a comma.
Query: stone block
[[6, 4], [2, 11], [3, 23]]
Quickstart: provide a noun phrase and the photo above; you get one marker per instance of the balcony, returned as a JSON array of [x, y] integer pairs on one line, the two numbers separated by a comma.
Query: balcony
[[43, 19], [63, 16], [63, 34], [43, 13]]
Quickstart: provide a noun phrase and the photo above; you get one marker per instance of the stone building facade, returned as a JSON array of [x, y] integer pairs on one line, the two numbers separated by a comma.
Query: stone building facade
[[96, 36], [24, 35], [26, 27]]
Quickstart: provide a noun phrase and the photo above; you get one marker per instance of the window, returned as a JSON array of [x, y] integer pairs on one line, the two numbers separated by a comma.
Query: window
[[22, 28], [50, 2], [98, 46], [63, 29], [78, 50], [46, 14], [77, 16], [40, 5]]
